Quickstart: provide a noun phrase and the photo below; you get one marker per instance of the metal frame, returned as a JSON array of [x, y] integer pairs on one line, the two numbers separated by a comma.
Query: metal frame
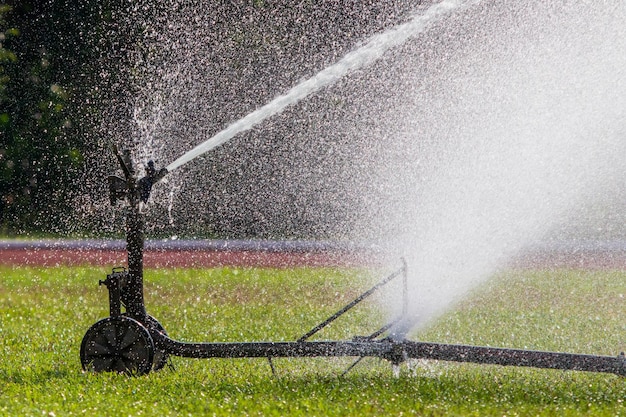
[[126, 291]]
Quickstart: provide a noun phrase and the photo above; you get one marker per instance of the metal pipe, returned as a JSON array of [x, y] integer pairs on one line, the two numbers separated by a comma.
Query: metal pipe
[[350, 305], [135, 306], [515, 357], [396, 352], [272, 349]]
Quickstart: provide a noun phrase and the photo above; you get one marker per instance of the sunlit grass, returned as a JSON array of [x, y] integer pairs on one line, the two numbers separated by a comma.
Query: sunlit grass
[[44, 314], [575, 311]]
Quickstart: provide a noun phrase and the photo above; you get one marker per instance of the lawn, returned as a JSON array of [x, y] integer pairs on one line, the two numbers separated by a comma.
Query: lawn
[[44, 313]]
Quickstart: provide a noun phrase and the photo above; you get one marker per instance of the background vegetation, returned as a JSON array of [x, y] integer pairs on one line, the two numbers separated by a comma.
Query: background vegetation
[[52, 59]]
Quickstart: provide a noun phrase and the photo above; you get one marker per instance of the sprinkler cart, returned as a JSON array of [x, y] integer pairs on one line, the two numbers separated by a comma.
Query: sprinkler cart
[[133, 342]]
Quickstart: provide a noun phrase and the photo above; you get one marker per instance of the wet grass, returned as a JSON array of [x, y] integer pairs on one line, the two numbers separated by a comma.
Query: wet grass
[[45, 312]]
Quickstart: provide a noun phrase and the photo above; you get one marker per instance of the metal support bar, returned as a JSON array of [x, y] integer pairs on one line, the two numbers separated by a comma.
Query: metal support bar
[[352, 304], [269, 359], [352, 366], [384, 328]]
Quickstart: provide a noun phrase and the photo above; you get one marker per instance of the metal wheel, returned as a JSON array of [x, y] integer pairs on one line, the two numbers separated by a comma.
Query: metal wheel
[[117, 344]]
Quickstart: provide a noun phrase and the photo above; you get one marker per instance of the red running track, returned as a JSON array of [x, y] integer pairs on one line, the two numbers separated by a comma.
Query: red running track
[[177, 258], [199, 254], [273, 254]]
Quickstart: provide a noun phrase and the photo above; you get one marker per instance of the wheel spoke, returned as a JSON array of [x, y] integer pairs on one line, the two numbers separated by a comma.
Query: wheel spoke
[[102, 363], [137, 355], [109, 332], [120, 365], [96, 349], [128, 339]]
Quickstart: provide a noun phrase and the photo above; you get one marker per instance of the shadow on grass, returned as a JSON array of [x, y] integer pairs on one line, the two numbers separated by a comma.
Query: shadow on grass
[[30, 376]]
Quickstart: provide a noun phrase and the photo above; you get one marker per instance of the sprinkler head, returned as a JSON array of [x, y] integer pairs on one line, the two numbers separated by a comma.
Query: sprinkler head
[[144, 185], [120, 188]]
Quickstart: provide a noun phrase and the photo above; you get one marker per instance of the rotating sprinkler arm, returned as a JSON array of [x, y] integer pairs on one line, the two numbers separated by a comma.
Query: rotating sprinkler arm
[[131, 188], [125, 162], [144, 186]]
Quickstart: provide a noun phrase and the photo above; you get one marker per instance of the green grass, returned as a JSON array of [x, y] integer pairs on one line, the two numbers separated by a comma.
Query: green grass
[[44, 313]]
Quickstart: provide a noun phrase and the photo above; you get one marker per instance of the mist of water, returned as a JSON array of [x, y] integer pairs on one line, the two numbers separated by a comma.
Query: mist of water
[[521, 128], [476, 130]]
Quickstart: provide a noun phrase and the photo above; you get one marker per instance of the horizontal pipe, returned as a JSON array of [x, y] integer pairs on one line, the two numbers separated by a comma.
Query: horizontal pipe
[[273, 349], [515, 357], [396, 352]]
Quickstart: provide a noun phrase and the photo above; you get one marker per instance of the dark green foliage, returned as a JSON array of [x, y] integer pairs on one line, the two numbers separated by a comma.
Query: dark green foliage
[[50, 92]]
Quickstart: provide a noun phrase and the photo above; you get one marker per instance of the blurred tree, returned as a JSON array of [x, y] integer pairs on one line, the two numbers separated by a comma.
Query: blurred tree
[[51, 94], [6, 56]]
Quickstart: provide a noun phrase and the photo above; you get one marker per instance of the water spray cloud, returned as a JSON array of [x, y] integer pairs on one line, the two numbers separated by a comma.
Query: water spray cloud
[[531, 132], [502, 122]]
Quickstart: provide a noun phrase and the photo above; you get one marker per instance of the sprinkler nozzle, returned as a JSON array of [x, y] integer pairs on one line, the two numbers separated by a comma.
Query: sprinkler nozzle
[[144, 185], [120, 189]]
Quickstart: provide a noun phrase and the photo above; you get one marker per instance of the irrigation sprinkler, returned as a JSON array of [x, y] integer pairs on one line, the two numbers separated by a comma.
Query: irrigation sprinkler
[[133, 342]]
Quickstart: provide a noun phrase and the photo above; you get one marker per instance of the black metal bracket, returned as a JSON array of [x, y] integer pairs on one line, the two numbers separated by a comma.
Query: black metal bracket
[[116, 283]]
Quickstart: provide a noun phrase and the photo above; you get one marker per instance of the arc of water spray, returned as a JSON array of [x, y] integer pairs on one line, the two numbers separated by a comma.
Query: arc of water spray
[[365, 55]]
